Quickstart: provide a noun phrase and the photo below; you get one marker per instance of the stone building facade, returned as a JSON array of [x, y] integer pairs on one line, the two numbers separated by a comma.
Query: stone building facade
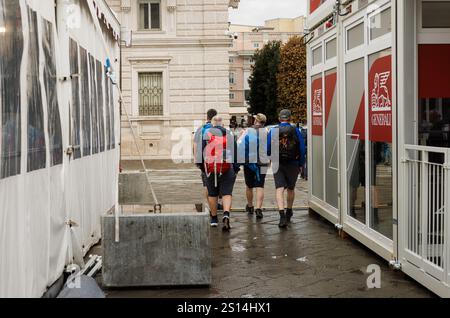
[[174, 68]]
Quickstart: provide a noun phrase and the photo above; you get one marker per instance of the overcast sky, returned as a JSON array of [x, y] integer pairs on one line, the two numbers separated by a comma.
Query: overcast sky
[[255, 12]]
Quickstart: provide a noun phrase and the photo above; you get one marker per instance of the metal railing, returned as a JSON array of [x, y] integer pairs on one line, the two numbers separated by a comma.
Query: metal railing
[[426, 201]]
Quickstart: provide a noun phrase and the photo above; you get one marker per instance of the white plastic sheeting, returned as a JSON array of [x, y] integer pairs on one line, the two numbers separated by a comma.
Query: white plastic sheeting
[[55, 94]]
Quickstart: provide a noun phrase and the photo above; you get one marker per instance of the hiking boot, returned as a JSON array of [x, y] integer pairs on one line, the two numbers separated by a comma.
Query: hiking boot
[[249, 210], [283, 220], [226, 224], [259, 214], [214, 221], [289, 215]]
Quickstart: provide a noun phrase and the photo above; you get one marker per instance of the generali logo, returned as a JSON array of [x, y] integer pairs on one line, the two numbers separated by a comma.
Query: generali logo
[[380, 99], [317, 102]]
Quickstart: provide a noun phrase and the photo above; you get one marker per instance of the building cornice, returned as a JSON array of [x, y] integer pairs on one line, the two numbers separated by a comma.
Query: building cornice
[[180, 42], [171, 5], [125, 5], [148, 59], [216, 42]]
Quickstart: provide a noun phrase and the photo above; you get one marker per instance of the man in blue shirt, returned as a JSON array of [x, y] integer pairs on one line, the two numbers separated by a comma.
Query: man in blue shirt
[[290, 158]]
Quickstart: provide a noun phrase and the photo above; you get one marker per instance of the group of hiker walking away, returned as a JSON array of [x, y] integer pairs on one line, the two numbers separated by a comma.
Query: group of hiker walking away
[[220, 156]]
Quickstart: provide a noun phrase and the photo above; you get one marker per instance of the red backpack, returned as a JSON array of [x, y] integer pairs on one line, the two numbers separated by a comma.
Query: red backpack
[[215, 153]]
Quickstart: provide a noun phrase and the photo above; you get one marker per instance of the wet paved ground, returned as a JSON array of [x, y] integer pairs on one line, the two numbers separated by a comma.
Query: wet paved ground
[[257, 259], [182, 185]]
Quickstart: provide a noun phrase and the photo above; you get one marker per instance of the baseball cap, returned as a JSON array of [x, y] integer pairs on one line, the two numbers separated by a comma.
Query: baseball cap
[[285, 114], [261, 118]]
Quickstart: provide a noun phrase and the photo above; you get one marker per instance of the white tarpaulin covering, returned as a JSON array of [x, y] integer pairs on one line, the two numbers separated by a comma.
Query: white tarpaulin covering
[[59, 133]]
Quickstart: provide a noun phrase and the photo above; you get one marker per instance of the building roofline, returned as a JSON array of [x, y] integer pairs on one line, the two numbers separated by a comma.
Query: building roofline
[[274, 19], [247, 25]]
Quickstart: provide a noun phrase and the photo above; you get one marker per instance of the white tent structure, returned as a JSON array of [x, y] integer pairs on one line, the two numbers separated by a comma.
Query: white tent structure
[[59, 136]]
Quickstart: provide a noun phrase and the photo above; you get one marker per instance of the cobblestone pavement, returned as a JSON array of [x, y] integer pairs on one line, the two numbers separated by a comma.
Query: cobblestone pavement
[[257, 259]]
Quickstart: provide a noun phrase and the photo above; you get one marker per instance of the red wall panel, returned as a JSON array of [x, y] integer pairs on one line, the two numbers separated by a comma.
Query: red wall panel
[[434, 71]]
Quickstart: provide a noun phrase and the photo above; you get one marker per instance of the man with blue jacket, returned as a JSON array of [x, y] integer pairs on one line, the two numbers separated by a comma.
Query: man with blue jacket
[[290, 158], [250, 145]]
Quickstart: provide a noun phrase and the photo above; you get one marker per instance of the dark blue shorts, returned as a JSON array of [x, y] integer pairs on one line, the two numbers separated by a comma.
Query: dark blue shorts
[[287, 176], [225, 184]]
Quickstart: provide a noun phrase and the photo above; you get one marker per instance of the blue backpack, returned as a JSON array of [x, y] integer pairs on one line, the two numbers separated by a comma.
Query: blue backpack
[[249, 149]]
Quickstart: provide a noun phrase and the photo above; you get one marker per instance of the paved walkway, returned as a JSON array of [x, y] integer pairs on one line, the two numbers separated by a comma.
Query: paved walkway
[[257, 259], [182, 185]]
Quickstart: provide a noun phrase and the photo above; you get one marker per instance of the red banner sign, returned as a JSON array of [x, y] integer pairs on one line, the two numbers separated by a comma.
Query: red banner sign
[[317, 107], [314, 5], [380, 100], [380, 104]]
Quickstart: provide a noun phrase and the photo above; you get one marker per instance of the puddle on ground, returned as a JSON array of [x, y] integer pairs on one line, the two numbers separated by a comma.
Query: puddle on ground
[[238, 248], [302, 260], [278, 257]]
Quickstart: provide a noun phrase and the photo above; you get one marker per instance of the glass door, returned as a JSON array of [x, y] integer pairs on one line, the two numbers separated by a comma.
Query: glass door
[[369, 104], [324, 147]]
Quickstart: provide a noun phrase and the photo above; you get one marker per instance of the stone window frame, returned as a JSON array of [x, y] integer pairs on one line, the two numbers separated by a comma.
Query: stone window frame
[[149, 65], [138, 16], [168, 19], [160, 92]]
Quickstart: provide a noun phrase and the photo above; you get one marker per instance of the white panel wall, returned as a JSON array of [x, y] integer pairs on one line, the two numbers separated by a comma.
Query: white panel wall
[[35, 207]]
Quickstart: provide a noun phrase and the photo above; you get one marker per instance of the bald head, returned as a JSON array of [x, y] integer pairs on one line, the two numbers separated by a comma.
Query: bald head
[[217, 121]]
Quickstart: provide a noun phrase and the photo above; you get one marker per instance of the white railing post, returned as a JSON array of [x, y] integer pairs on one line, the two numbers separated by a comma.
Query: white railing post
[[403, 198], [446, 249], [423, 215], [426, 209]]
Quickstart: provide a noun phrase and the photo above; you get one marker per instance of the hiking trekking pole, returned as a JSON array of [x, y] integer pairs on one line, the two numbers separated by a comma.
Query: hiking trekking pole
[[215, 174]]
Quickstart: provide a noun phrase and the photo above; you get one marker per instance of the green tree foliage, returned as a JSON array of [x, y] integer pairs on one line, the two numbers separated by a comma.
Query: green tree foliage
[[263, 81], [291, 79]]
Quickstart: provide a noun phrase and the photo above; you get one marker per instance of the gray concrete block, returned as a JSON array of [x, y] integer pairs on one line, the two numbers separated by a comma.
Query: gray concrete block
[[134, 189], [157, 250]]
